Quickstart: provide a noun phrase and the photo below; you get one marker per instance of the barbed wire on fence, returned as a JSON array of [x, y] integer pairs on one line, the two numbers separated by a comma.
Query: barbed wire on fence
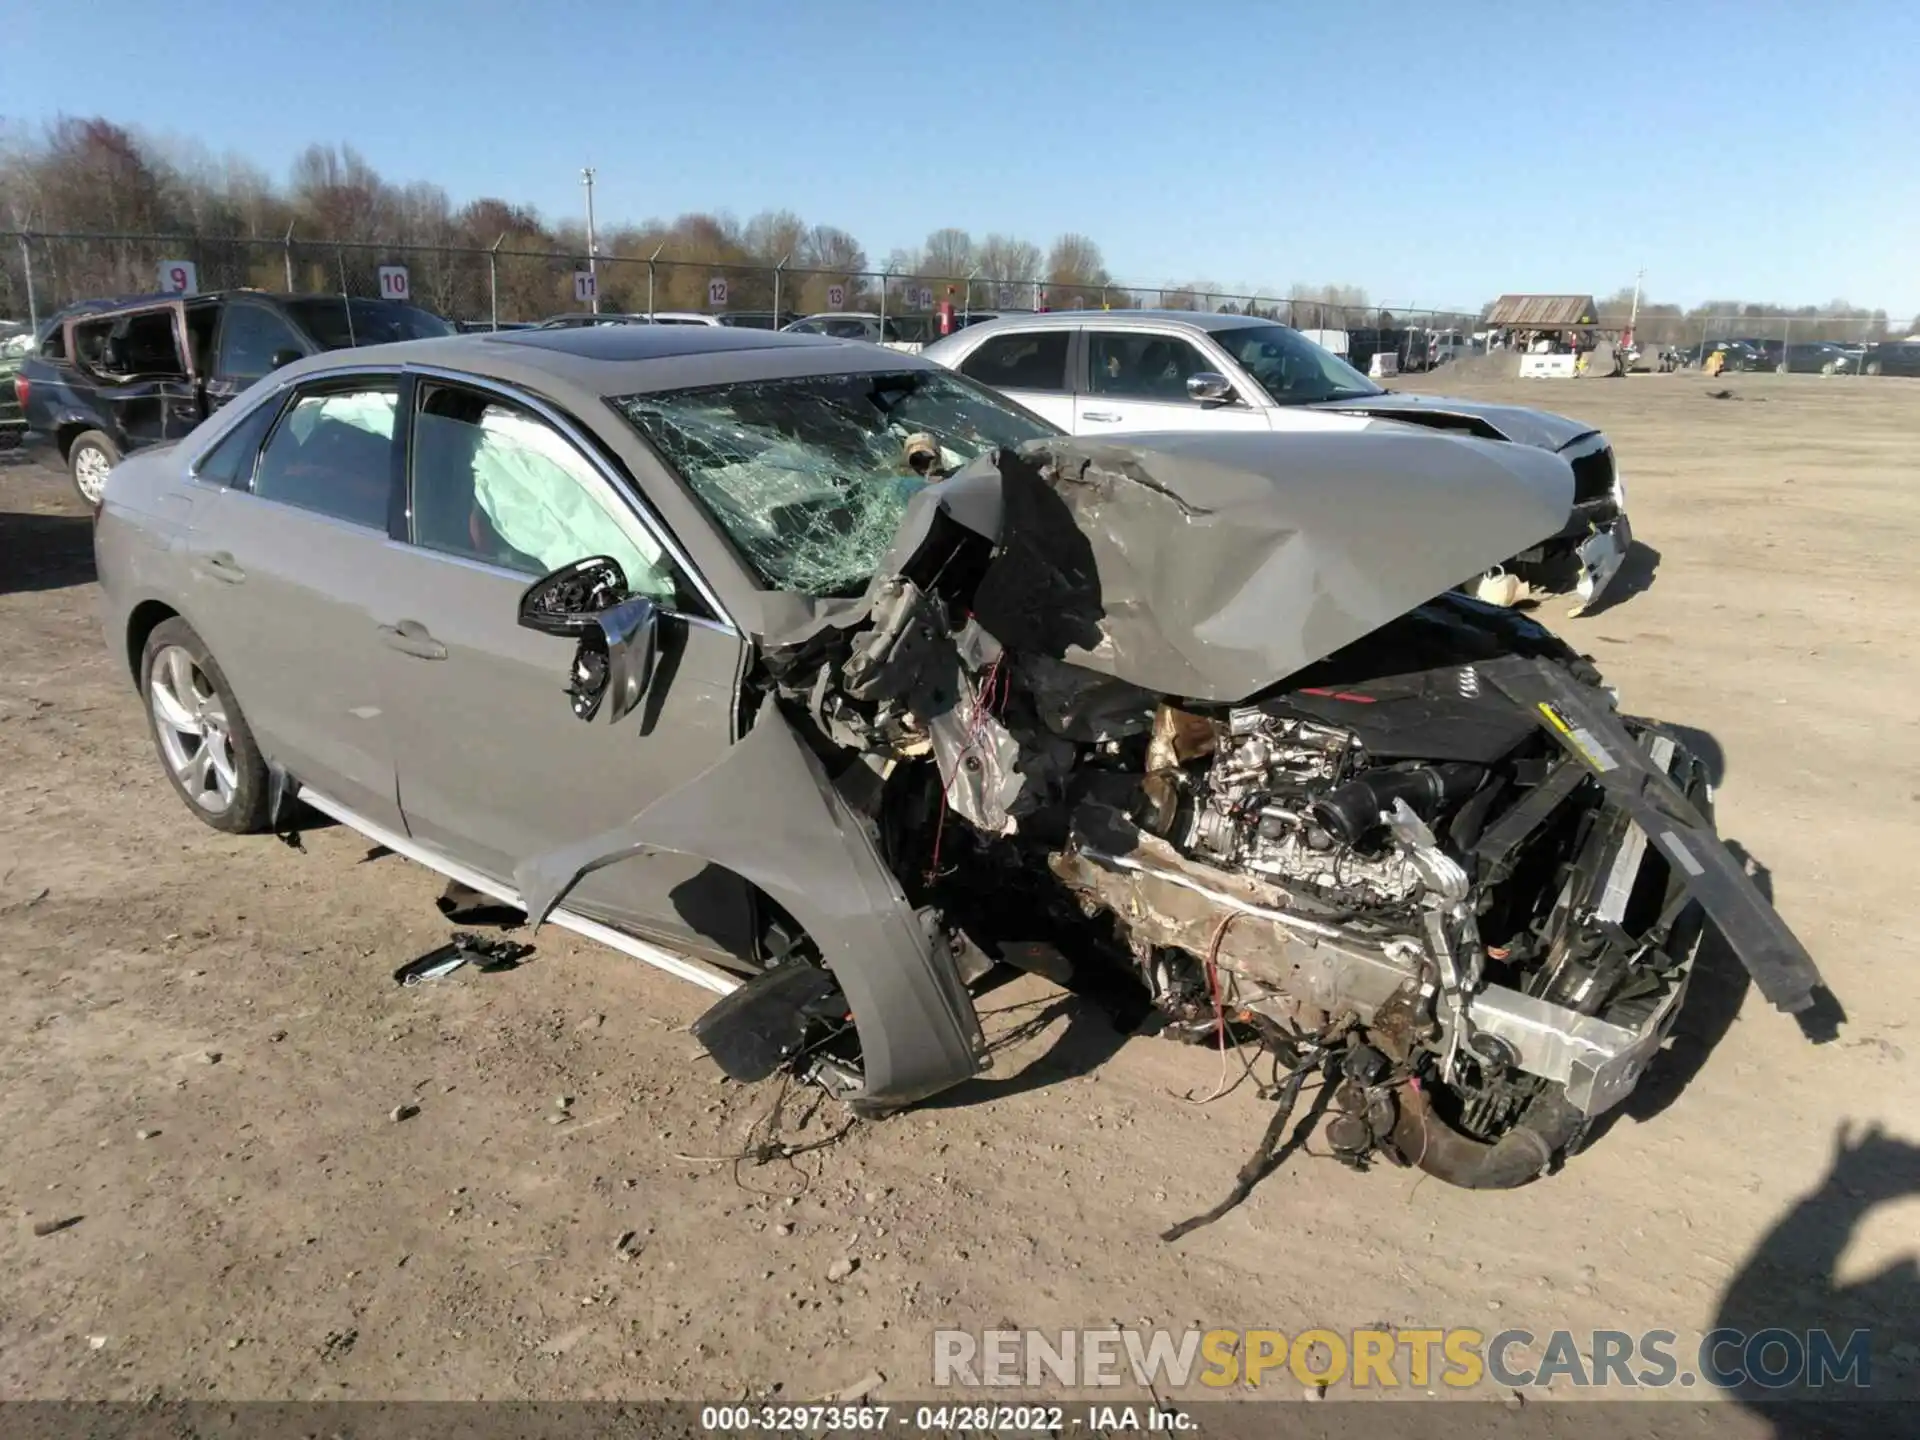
[[41, 272]]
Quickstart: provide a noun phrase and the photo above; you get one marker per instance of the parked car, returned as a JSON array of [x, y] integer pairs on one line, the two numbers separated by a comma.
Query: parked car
[[1815, 357], [1894, 357], [111, 376], [1768, 350], [827, 679], [757, 319], [585, 318], [474, 327], [1739, 355], [1119, 372], [848, 325], [14, 345]]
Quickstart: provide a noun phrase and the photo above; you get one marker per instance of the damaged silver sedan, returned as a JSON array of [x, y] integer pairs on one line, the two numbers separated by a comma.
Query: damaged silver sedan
[[831, 681]]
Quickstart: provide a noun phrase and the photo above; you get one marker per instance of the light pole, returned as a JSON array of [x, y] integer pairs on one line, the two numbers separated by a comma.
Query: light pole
[[593, 251]]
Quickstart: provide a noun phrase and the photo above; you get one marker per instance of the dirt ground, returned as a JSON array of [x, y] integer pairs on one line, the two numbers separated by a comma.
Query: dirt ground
[[203, 1045]]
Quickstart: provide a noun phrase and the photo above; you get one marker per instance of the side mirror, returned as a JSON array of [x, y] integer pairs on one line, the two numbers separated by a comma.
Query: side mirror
[[566, 602], [613, 662], [284, 357], [1209, 388]]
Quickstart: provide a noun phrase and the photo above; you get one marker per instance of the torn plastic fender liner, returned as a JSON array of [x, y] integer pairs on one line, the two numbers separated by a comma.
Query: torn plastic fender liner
[[1586, 728], [768, 811]]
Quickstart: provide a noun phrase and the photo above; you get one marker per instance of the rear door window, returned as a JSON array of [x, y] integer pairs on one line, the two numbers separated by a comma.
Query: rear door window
[[1033, 361], [332, 452]]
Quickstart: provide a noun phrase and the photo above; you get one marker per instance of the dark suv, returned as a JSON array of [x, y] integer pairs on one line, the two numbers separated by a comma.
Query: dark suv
[[110, 376]]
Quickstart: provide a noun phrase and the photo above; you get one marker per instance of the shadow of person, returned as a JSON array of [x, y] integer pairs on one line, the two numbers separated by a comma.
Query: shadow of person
[[1791, 1284]]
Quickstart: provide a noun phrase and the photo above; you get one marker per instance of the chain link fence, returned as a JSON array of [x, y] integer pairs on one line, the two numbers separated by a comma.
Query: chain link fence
[[40, 273]]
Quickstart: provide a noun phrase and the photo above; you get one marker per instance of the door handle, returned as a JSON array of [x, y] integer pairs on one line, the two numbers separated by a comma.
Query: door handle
[[222, 566], [1104, 415], [410, 637]]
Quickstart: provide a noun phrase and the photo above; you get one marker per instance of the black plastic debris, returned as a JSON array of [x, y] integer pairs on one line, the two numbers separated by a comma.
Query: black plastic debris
[[464, 905], [765, 1023], [487, 956]]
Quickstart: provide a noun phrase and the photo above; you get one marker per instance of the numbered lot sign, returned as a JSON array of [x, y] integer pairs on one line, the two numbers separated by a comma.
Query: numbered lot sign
[[179, 277], [836, 297], [586, 286], [394, 283], [716, 292]]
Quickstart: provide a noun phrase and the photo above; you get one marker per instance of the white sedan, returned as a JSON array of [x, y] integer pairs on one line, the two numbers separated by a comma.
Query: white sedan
[[1094, 372]]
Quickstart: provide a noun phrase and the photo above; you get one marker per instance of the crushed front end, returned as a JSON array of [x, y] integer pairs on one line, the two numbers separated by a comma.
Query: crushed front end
[[1207, 716], [1423, 859]]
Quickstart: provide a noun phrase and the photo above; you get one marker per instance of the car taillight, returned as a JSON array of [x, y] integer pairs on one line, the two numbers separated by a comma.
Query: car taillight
[[20, 388]]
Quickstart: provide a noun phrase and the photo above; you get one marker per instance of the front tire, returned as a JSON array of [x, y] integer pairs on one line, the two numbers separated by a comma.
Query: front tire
[[203, 740], [89, 459]]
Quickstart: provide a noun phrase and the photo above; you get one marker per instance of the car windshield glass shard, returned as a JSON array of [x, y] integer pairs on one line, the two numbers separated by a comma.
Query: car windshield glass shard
[[1291, 368], [809, 478], [375, 322]]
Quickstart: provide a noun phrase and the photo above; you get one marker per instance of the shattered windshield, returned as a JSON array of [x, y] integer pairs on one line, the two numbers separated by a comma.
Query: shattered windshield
[[1291, 368], [809, 477]]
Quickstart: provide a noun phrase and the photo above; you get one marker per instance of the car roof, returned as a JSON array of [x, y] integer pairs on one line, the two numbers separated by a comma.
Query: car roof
[[1192, 320], [601, 360]]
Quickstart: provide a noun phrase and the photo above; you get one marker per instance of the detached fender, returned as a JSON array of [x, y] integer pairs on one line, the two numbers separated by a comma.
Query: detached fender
[[1579, 719], [768, 811]]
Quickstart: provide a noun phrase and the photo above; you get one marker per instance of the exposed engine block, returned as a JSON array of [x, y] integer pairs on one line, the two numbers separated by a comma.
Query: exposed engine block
[[1252, 810]]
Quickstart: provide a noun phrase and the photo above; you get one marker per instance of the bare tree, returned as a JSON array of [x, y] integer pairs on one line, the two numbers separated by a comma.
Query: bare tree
[[1076, 260], [1007, 260], [949, 254], [775, 235]]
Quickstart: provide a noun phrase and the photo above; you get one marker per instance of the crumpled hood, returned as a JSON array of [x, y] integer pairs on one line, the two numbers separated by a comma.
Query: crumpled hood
[[1503, 422], [1211, 566]]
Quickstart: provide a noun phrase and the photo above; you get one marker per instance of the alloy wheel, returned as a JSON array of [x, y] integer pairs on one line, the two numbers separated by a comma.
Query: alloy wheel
[[90, 469], [191, 722]]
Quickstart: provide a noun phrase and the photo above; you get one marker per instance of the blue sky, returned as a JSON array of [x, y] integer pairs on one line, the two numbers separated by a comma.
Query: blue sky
[[1434, 153]]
